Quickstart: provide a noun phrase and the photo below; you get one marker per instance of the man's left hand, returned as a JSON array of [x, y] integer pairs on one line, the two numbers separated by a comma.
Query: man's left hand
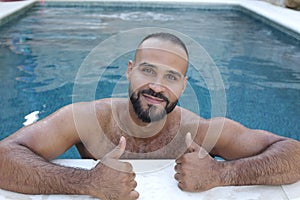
[[196, 170]]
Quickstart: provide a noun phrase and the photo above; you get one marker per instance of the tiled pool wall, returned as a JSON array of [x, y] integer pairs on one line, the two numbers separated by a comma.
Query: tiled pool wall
[[144, 4]]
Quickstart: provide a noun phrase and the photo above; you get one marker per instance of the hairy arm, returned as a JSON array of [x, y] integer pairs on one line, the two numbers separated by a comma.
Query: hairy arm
[[278, 164], [24, 165], [256, 156], [23, 171]]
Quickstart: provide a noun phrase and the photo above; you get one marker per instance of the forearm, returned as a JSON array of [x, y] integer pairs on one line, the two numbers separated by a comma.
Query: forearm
[[278, 164], [23, 171]]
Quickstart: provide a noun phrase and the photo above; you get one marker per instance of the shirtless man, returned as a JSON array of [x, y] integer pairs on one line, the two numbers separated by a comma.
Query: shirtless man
[[146, 125]]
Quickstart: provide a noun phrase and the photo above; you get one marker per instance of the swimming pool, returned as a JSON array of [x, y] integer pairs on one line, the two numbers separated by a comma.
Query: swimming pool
[[40, 54]]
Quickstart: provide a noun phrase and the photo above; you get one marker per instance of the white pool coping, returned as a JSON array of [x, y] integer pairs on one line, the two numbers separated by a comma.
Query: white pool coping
[[162, 180], [10, 10]]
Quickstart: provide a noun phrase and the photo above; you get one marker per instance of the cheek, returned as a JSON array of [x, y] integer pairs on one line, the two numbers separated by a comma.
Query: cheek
[[174, 92], [137, 82]]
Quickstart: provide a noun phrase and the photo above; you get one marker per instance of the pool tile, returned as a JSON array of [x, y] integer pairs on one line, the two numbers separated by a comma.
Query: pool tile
[[292, 191]]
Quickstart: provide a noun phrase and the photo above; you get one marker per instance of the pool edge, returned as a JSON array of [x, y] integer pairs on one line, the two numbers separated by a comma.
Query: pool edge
[[12, 10], [280, 18]]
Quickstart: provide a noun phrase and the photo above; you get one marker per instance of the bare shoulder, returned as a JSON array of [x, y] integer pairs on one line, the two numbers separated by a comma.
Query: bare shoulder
[[109, 106], [189, 122], [101, 107], [187, 114], [189, 118], [95, 113]]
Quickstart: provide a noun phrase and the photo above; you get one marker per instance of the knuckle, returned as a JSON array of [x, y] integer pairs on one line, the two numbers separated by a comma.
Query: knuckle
[[123, 178], [134, 195], [181, 186], [178, 160], [198, 187], [126, 177], [186, 187], [129, 167], [184, 158], [133, 175], [134, 184], [183, 169], [176, 168]]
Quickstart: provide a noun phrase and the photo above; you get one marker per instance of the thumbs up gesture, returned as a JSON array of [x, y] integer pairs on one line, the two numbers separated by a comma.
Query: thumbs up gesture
[[112, 178], [196, 170]]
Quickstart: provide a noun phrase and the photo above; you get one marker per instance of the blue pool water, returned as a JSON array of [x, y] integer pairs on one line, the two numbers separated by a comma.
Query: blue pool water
[[40, 54]]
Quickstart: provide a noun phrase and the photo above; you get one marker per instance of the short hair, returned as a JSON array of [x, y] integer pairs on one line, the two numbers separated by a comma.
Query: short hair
[[168, 37]]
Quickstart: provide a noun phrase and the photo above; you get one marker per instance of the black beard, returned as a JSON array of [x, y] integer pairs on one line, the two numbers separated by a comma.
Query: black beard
[[151, 114]]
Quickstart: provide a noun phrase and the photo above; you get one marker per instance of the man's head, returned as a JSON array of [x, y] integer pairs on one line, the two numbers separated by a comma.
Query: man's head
[[165, 37], [157, 76]]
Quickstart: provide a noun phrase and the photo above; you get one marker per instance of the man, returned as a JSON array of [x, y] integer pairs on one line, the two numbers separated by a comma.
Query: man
[[146, 125]]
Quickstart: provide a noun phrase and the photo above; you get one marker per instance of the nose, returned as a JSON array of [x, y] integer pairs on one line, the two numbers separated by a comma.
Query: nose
[[157, 87]]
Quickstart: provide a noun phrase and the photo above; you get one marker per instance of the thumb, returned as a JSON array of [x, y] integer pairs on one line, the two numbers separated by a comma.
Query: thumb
[[194, 147], [191, 145], [118, 151], [202, 153]]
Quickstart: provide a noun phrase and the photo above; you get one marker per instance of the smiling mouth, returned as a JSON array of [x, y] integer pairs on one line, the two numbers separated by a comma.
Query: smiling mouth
[[152, 99]]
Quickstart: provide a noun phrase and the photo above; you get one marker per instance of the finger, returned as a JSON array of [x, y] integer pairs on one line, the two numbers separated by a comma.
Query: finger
[[191, 145], [115, 164], [133, 184], [178, 160], [133, 176], [134, 195], [127, 167], [181, 186], [118, 151], [177, 177], [177, 168]]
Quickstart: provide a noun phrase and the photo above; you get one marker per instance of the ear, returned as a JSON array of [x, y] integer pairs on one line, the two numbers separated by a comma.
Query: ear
[[129, 68]]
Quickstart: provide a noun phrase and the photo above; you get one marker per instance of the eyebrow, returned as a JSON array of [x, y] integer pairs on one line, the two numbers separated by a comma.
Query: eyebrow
[[156, 67]]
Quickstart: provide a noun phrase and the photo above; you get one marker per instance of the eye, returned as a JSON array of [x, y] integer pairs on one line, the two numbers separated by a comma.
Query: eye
[[148, 70], [171, 77]]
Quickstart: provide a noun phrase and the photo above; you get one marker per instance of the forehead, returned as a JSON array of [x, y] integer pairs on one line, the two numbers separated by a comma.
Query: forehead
[[162, 53]]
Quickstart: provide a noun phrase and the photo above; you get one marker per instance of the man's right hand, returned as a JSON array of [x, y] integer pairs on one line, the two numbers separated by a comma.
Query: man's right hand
[[114, 179]]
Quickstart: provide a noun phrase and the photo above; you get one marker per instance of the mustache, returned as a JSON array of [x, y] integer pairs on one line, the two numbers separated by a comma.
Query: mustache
[[155, 94]]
